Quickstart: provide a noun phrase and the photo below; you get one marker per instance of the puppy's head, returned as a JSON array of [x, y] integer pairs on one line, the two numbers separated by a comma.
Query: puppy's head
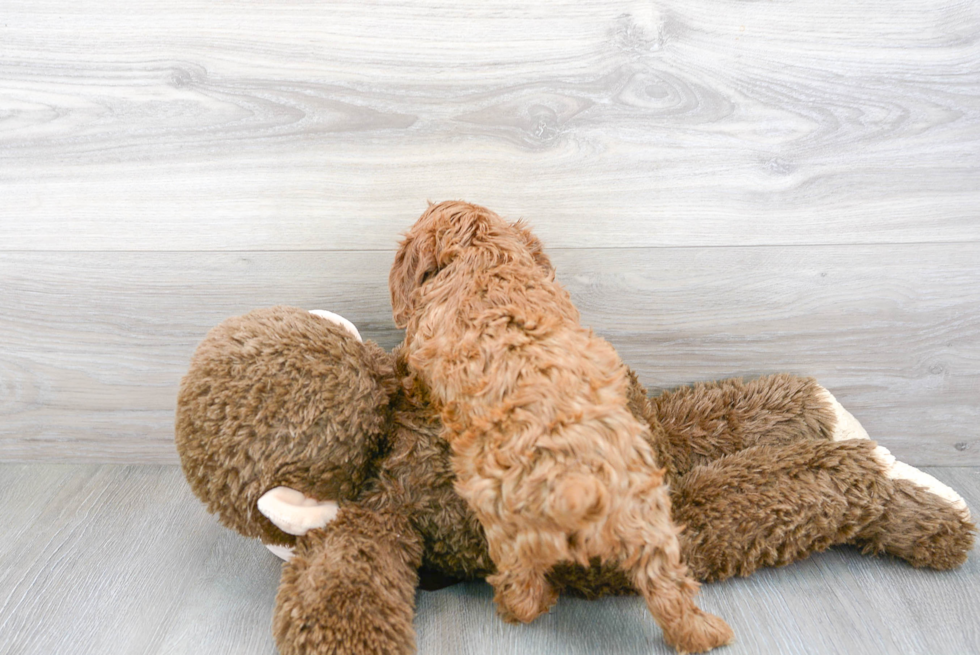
[[439, 236]]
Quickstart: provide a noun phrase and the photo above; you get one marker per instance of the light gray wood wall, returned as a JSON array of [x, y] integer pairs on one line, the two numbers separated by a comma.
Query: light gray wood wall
[[727, 188]]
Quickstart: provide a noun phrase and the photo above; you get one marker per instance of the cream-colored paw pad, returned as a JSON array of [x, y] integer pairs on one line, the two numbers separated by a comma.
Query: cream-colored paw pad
[[846, 426], [896, 470]]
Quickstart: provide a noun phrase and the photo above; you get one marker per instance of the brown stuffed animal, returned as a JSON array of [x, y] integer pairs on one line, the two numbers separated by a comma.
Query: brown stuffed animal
[[295, 432]]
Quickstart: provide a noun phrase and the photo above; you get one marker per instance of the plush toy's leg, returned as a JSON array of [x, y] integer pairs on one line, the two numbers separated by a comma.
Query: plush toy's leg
[[925, 522], [769, 505], [710, 420], [847, 427], [921, 527], [350, 588]]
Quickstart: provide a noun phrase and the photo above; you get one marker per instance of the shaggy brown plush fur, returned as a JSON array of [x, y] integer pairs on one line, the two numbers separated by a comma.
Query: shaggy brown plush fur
[[280, 397], [708, 420], [374, 598], [545, 449]]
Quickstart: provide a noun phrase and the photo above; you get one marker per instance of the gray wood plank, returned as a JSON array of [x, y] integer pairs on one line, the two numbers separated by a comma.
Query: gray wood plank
[[95, 343], [195, 126], [123, 560]]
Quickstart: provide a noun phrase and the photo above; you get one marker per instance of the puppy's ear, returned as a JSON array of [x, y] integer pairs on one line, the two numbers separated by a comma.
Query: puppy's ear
[[414, 262], [534, 245]]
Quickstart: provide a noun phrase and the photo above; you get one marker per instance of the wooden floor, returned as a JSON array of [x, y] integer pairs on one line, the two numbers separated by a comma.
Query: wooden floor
[[727, 188], [110, 559]]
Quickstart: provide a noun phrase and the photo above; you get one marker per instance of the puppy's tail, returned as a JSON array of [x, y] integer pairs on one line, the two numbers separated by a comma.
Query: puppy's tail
[[578, 500]]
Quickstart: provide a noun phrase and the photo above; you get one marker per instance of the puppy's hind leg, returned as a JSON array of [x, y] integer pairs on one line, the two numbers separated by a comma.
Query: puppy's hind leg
[[654, 564], [669, 596], [521, 591]]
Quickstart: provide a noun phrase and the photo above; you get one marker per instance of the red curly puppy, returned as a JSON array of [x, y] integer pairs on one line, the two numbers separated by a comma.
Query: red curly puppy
[[544, 447]]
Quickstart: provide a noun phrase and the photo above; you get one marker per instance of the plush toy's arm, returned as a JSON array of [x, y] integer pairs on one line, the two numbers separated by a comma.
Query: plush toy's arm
[[710, 420], [350, 587]]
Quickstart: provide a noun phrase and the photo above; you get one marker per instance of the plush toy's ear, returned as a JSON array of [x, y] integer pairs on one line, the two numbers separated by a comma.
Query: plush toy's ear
[[338, 320], [295, 513]]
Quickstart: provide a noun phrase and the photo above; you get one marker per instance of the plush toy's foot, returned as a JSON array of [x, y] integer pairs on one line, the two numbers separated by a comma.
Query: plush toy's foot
[[924, 521], [847, 427], [921, 527], [902, 472]]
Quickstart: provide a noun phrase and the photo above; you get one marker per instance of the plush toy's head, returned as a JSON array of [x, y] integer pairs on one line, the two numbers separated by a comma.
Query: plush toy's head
[[281, 398]]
